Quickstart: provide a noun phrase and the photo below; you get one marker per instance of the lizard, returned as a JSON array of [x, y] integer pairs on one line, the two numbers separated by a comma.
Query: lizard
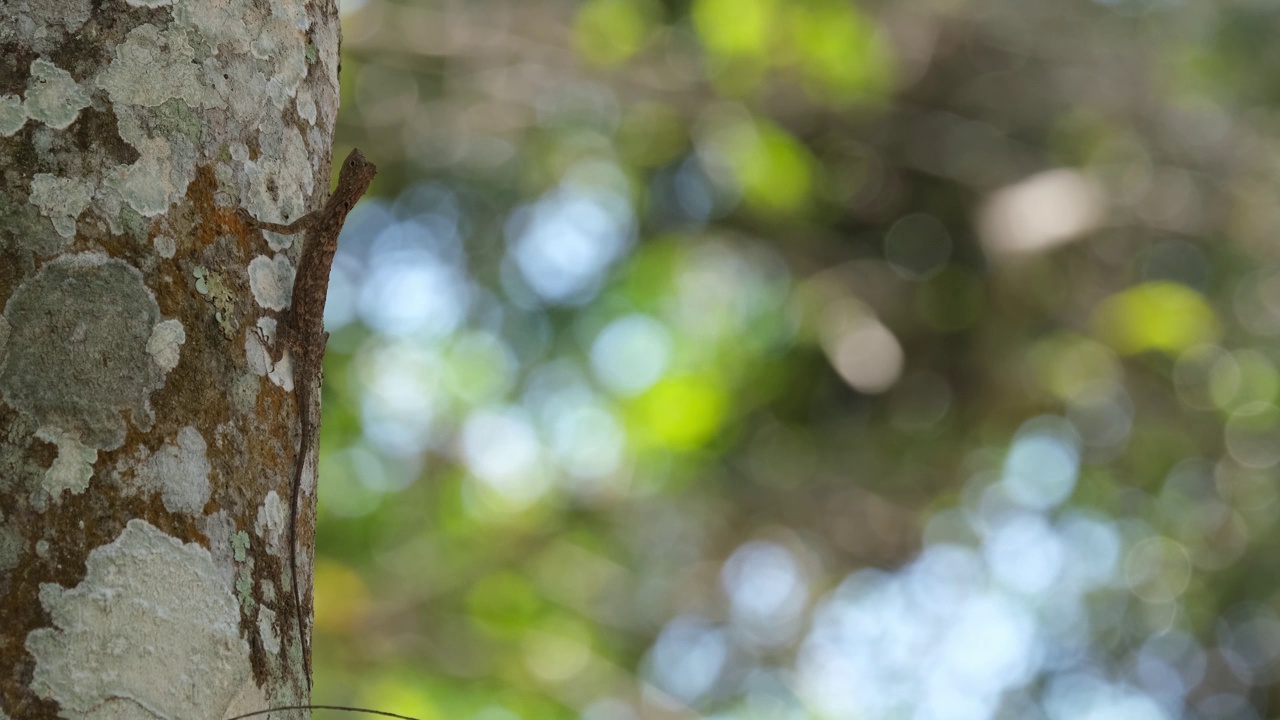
[[302, 333]]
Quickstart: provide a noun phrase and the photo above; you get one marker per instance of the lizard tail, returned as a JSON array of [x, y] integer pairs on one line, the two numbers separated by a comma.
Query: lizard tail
[[325, 707], [293, 560]]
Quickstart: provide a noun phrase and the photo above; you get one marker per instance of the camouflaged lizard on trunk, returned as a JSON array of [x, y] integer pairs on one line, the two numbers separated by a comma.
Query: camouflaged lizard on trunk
[[302, 333]]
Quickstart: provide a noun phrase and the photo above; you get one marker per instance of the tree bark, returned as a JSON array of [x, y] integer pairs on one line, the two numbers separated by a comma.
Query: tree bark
[[146, 445]]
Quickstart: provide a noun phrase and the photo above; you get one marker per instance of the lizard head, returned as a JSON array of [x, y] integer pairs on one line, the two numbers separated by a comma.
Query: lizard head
[[354, 178], [357, 169]]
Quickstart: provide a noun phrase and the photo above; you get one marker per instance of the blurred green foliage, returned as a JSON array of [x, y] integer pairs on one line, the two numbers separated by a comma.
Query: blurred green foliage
[[805, 358]]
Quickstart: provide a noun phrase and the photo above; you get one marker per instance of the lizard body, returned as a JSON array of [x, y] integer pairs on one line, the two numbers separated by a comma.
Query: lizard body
[[302, 332]]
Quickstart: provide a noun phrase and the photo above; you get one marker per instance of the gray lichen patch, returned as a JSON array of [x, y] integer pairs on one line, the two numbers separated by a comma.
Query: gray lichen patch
[[240, 545], [131, 221], [61, 200], [280, 180], [18, 469], [11, 546], [165, 246], [12, 115], [244, 393], [165, 344], [215, 290], [53, 97], [186, 78], [291, 59], [72, 469], [179, 471], [244, 588], [175, 119], [194, 78], [149, 606], [168, 61], [77, 353], [165, 163], [149, 3], [23, 228], [69, 14]]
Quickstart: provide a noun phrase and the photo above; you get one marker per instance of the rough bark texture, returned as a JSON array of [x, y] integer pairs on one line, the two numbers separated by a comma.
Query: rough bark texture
[[145, 443]]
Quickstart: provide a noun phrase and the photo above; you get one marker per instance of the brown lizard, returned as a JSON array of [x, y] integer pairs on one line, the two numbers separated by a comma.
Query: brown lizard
[[302, 332]]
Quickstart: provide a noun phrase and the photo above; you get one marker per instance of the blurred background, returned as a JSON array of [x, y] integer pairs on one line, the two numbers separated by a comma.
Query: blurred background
[[786, 359]]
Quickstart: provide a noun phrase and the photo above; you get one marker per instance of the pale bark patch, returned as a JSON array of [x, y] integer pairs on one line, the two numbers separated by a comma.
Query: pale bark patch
[[271, 522], [149, 607], [165, 343], [271, 279]]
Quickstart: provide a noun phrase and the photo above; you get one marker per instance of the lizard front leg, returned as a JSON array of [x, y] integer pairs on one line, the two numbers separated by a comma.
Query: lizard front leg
[[302, 224], [284, 339]]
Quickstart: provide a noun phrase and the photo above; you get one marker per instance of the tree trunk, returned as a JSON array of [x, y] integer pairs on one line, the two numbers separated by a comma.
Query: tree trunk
[[146, 446]]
